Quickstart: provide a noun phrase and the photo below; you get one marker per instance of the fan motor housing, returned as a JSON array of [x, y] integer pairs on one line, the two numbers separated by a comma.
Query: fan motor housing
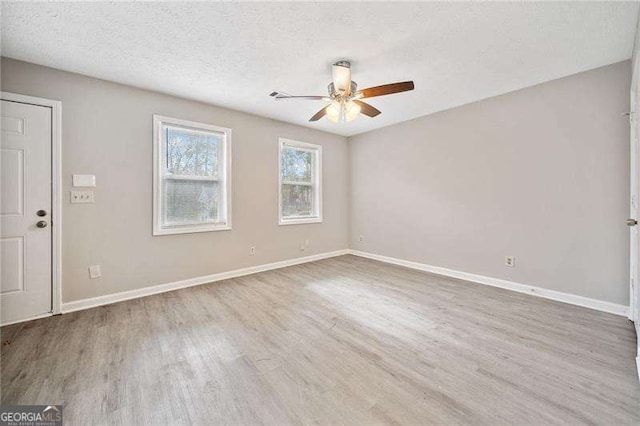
[[332, 89]]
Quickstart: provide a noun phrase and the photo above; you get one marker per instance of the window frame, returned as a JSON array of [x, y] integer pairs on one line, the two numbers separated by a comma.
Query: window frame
[[316, 182], [159, 169]]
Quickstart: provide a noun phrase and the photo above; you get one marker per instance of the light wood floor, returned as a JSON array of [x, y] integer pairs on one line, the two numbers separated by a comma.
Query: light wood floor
[[344, 340]]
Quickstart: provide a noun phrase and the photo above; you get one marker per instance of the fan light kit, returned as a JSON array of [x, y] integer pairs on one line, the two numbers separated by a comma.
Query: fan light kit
[[345, 98]]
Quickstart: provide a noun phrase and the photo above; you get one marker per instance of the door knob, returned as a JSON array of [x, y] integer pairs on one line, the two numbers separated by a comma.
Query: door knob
[[41, 213], [632, 222], [41, 224]]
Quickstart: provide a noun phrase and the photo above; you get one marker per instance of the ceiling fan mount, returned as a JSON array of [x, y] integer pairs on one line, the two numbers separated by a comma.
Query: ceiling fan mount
[[343, 63], [345, 97]]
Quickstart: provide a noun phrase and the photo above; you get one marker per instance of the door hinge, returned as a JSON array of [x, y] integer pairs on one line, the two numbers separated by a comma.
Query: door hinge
[[630, 116]]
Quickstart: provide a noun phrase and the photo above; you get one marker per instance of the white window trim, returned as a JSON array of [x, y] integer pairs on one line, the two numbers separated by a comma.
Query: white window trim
[[317, 173], [158, 121]]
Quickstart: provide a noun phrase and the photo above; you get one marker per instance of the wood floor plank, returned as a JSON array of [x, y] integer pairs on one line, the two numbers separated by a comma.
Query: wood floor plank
[[339, 341]]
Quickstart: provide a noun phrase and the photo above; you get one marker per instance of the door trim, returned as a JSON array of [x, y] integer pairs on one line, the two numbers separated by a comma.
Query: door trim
[[56, 191]]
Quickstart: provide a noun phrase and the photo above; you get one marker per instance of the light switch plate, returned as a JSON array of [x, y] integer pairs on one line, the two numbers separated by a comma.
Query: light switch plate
[[84, 180], [81, 197]]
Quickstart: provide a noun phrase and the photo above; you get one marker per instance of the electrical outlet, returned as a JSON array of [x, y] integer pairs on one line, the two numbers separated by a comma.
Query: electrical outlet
[[252, 251], [510, 261], [307, 242], [81, 197], [361, 238], [94, 271]]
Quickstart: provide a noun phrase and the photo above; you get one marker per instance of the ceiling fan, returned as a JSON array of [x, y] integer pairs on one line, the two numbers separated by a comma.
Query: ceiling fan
[[345, 97]]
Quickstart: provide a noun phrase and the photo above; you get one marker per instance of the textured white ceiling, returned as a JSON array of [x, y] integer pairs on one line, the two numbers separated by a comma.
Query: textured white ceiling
[[235, 54]]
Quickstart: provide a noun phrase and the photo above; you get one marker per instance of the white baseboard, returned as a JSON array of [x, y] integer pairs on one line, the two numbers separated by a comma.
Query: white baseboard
[[612, 308], [35, 317], [78, 305], [600, 305]]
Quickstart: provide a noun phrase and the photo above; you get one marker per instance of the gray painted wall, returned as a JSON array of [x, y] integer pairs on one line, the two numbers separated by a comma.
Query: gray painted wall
[[541, 174], [107, 131]]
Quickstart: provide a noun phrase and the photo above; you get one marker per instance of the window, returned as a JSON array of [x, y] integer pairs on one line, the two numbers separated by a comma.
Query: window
[[192, 177], [300, 196]]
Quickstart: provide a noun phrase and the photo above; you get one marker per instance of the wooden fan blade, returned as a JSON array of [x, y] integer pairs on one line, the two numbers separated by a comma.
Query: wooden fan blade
[[318, 115], [387, 89], [367, 109]]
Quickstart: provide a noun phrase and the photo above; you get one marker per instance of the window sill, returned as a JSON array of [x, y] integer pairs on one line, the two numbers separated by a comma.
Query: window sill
[[190, 229], [299, 220]]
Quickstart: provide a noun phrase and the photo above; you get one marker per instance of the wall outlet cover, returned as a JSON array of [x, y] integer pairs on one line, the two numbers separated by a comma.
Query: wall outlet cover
[[94, 271], [81, 197]]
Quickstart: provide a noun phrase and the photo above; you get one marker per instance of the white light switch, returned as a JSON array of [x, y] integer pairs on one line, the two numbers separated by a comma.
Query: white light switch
[[84, 180], [81, 197]]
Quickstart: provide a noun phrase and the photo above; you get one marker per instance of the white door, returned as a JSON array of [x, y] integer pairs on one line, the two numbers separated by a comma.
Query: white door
[[634, 305], [634, 211], [25, 211]]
